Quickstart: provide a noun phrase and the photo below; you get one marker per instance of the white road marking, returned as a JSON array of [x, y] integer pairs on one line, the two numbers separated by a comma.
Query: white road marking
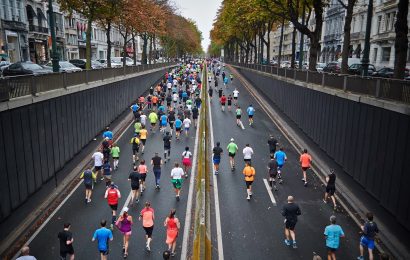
[[272, 198], [216, 196], [241, 124]]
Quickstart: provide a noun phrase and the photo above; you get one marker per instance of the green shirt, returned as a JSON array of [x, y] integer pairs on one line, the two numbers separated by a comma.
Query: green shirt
[[238, 112], [232, 147], [115, 151], [153, 117], [189, 102], [137, 127]]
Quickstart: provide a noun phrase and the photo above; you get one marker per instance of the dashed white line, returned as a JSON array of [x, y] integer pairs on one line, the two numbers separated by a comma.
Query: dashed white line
[[272, 198]]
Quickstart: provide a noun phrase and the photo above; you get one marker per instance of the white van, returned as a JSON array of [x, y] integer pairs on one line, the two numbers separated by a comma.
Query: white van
[[350, 61]]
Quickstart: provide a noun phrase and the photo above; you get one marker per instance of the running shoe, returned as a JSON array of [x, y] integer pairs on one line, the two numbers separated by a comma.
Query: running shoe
[[86, 201], [324, 201], [248, 198], [89, 201], [305, 184], [148, 248], [111, 226], [136, 201], [287, 242], [173, 254], [294, 245], [177, 197], [360, 258]]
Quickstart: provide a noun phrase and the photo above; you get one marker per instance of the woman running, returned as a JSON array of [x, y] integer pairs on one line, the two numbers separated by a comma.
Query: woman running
[[147, 217], [186, 160], [238, 116], [124, 224], [134, 178], [176, 176], [229, 102], [172, 224], [142, 170]]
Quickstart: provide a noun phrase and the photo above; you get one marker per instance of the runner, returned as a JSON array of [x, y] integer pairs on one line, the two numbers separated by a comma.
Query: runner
[[106, 150], [187, 124], [229, 99], [172, 224], [137, 126], [169, 101], [134, 178], [149, 101], [89, 178], [226, 81], [249, 173], [98, 162], [167, 146], [231, 76], [153, 118], [171, 120], [232, 149], [115, 153], [210, 92], [164, 122], [178, 126], [369, 230], [112, 194], [281, 158], [198, 102], [147, 216], [143, 138], [103, 236], [142, 170], [272, 142], [251, 111], [66, 242], [220, 92], [195, 113], [333, 233], [273, 172], [290, 211], [331, 188], [108, 133], [186, 160], [156, 163], [247, 154], [107, 173], [238, 116], [124, 224], [235, 96], [25, 254], [154, 101], [176, 176], [305, 161], [216, 158], [223, 101], [135, 109], [135, 141]]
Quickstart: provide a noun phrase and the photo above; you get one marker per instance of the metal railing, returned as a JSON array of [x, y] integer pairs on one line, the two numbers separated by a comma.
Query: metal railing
[[389, 89], [18, 86]]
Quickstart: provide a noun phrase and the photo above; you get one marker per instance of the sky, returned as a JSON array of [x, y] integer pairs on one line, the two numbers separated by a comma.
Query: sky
[[203, 12]]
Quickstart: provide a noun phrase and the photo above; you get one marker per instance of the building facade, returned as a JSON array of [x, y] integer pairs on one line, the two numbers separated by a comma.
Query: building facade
[[332, 33]]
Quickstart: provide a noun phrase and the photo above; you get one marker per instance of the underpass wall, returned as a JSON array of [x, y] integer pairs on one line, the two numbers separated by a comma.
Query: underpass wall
[[37, 140], [370, 143]]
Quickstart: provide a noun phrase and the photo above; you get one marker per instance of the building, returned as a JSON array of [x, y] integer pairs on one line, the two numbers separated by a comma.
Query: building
[[14, 33], [38, 31], [332, 36], [358, 29]]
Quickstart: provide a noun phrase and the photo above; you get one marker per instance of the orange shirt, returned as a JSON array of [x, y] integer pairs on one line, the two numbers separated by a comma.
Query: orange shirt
[[305, 160], [249, 173], [154, 99], [147, 215], [143, 133]]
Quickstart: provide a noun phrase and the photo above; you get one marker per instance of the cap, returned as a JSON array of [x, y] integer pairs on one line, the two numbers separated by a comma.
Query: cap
[[135, 134], [232, 140], [125, 209], [112, 185]]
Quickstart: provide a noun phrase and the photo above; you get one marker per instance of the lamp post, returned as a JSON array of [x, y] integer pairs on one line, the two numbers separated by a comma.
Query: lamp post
[[366, 51], [54, 54], [301, 38]]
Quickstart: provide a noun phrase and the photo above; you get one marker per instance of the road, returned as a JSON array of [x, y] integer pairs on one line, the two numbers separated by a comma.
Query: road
[[254, 230]]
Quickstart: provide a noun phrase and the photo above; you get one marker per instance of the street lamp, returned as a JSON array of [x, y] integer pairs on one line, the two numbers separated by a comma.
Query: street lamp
[[366, 51], [54, 54]]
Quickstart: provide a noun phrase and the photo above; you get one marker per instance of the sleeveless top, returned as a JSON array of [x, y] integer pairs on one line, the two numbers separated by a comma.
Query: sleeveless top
[[125, 225], [172, 224]]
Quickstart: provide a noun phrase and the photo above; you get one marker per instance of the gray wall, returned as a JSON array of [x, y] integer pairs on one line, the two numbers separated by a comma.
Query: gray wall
[[37, 140], [370, 143]]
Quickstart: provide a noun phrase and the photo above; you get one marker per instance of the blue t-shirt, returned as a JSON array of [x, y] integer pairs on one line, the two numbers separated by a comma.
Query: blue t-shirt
[[250, 111], [178, 123], [184, 94], [107, 134], [226, 80], [333, 234], [135, 107], [164, 119], [280, 157], [102, 235], [161, 108], [107, 169]]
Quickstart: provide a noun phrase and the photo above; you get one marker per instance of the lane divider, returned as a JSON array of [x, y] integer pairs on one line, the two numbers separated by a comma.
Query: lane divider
[[272, 198]]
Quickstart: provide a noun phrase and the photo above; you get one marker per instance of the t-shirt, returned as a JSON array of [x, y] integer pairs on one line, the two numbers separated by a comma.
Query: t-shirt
[[333, 234], [250, 111], [370, 229], [143, 134], [280, 157], [115, 151], [175, 97], [249, 173], [167, 141], [238, 112], [291, 211], [272, 166], [164, 119], [156, 160], [187, 122], [98, 158], [103, 235], [178, 123], [272, 143], [143, 119], [217, 151], [137, 127], [134, 107], [26, 257], [107, 134], [332, 180], [135, 178], [235, 93], [177, 173], [305, 160], [65, 236], [107, 168], [186, 154], [153, 117], [147, 215], [232, 147], [247, 152]]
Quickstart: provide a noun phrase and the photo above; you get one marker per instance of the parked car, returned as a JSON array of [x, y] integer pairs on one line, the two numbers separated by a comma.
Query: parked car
[[285, 64], [388, 73], [128, 61], [357, 69], [65, 66], [332, 67], [113, 64], [320, 66], [81, 63], [24, 68], [350, 61]]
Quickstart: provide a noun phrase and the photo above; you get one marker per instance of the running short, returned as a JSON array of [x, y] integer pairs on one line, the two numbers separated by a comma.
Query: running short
[[280, 166], [97, 168], [104, 252], [186, 162], [153, 124], [114, 207], [135, 150], [135, 187], [108, 177], [238, 116], [273, 174], [331, 249], [222, 104], [235, 98], [250, 116], [290, 225], [229, 103], [247, 160], [64, 254], [232, 155], [143, 141], [305, 168], [248, 184], [187, 129], [330, 190], [171, 124], [217, 160], [116, 158], [164, 124], [143, 176], [366, 242], [88, 186], [148, 231]]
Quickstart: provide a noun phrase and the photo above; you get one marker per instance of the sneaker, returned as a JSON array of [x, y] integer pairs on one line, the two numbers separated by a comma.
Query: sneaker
[[303, 180], [89, 200], [86, 200], [177, 197], [287, 242], [157, 187], [111, 226], [136, 201], [360, 258], [294, 245], [280, 181], [305, 184], [276, 189], [148, 248], [324, 201], [248, 198], [173, 254], [102, 178]]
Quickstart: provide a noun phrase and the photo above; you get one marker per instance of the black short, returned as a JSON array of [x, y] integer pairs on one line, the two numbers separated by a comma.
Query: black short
[[247, 160], [290, 225], [250, 116], [105, 252], [64, 254], [305, 168], [143, 177], [114, 207], [116, 158], [238, 116], [143, 141], [194, 117], [248, 184], [235, 98], [153, 124], [229, 103], [135, 187], [222, 104], [135, 150], [330, 249], [232, 155], [97, 168], [273, 174], [178, 129], [171, 124], [330, 190], [148, 231], [88, 186]]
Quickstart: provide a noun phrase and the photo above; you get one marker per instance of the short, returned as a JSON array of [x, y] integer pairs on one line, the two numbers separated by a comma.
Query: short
[[143, 176], [97, 168], [223, 104], [195, 117], [238, 116], [186, 162], [217, 160], [171, 124], [248, 184], [105, 252], [153, 124], [178, 129], [135, 187], [366, 242], [135, 150], [163, 124], [64, 254], [116, 158], [143, 141], [305, 168], [186, 129], [148, 231], [114, 207], [273, 174], [250, 116], [108, 177], [229, 103], [290, 225], [331, 249], [247, 160], [88, 186], [235, 98], [232, 155], [330, 190], [280, 166]]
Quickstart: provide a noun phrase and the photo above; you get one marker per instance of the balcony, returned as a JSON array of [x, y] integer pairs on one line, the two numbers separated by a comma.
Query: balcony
[[384, 37], [357, 36], [331, 37], [38, 29]]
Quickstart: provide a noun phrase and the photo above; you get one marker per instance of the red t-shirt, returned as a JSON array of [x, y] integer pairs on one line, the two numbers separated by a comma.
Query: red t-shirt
[[223, 99]]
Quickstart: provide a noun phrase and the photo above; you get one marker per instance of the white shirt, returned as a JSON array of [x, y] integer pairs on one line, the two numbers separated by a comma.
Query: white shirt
[[175, 97], [247, 152], [143, 119], [189, 107], [177, 173], [169, 85], [186, 122], [98, 158], [235, 93], [186, 154]]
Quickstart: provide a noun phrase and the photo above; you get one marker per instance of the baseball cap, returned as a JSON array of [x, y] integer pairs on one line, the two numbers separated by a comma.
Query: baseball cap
[[125, 209], [232, 140]]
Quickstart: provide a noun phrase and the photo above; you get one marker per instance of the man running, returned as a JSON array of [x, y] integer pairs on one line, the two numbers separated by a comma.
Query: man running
[[331, 188], [251, 111], [135, 141], [66, 242], [247, 154], [164, 121], [103, 235], [290, 211], [333, 233], [143, 138], [176, 176], [210, 92], [153, 118], [280, 157], [98, 162], [232, 149], [107, 173], [249, 173], [137, 126], [273, 172], [89, 178], [112, 194], [272, 142], [135, 109], [167, 146], [156, 163], [305, 161], [369, 230], [217, 151], [108, 134], [235, 96], [238, 113], [178, 126], [134, 178], [195, 114], [187, 124], [115, 153], [223, 102], [229, 99]]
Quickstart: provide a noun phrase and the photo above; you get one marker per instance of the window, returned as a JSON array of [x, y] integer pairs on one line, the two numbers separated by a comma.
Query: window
[[363, 23], [379, 24], [386, 53], [353, 24], [375, 55]]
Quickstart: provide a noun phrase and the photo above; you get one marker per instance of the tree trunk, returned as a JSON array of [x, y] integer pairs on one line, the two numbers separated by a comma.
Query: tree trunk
[[292, 61], [134, 49], [268, 45], [144, 48], [401, 42], [109, 46], [247, 53], [124, 49], [313, 52], [255, 48], [236, 52], [281, 41], [88, 44], [155, 48], [346, 32]]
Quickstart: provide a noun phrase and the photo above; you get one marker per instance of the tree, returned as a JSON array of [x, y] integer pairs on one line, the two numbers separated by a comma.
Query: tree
[[401, 43]]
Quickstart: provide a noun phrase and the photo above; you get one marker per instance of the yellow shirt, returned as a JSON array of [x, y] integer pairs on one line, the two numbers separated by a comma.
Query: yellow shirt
[[143, 134]]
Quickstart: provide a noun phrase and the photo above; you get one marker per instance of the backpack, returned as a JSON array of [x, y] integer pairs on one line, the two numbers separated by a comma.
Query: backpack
[[88, 177]]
